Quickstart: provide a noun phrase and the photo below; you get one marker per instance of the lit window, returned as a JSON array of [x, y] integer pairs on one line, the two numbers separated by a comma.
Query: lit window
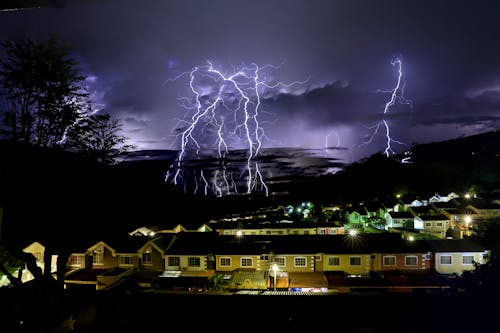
[[194, 261], [125, 260], [334, 261], [246, 262], [300, 262], [225, 262], [280, 261], [467, 260], [411, 261], [146, 258], [174, 261], [76, 260], [98, 257], [355, 261], [389, 261], [445, 260]]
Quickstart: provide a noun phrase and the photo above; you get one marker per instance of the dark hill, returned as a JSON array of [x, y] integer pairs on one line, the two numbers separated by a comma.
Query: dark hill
[[54, 192]]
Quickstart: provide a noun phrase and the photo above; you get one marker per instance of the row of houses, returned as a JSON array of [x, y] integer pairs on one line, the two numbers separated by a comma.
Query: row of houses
[[260, 262], [448, 216]]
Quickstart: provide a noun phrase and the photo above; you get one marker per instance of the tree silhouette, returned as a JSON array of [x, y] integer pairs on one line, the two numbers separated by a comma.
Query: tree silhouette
[[44, 92]]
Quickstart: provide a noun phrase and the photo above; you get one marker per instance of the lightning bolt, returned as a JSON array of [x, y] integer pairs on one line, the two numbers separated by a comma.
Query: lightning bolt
[[327, 145], [222, 116], [396, 97], [83, 114]]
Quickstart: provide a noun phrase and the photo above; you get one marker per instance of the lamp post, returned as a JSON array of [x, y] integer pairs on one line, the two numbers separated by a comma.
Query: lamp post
[[275, 269]]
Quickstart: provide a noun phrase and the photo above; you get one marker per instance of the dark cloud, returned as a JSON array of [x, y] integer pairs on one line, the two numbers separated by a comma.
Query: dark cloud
[[449, 49]]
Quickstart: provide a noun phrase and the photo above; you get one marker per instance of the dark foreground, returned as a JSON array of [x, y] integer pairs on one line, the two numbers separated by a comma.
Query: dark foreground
[[148, 312]]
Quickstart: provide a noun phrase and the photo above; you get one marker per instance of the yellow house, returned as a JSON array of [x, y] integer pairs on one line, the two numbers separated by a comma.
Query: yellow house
[[352, 264], [455, 256], [38, 251]]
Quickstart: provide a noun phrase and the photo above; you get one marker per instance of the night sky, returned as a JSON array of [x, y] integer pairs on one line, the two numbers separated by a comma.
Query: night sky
[[129, 49]]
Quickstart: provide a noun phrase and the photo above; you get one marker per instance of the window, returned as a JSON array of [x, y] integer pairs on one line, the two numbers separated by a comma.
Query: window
[[125, 260], [467, 260], [146, 258], [428, 224], [295, 232], [439, 224], [264, 257], [174, 261], [389, 260], [411, 261], [306, 232], [355, 261], [333, 231], [225, 262], [334, 261], [98, 257], [322, 231], [299, 262], [445, 260], [280, 261], [246, 262], [280, 232], [268, 232], [194, 261], [76, 260]]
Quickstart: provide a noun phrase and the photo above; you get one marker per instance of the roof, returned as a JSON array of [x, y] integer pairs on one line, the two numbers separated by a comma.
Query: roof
[[455, 245]]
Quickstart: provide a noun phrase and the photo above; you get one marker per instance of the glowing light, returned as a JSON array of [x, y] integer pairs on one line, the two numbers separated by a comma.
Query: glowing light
[[411, 238], [353, 232], [396, 97], [223, 116]]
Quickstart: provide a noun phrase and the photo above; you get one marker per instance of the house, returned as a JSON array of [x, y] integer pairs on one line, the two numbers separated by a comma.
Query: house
[[38, 251], [190, 252], [455, 256], [399, 220]]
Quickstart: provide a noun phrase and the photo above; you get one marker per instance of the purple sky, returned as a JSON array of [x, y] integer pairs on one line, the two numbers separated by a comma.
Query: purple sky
[[450, 52]]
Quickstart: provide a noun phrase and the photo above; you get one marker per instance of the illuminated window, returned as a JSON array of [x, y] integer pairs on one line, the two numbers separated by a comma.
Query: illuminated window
[[146, 258], [125, 260], [194, 261], [445, 260], [280, 261], [355, 261], [389, 260], [225, 262], [76, 260], [467, 260], [334, 261], [299, 262], [246, 262], [411, 261], [98, 257], [174, 261]]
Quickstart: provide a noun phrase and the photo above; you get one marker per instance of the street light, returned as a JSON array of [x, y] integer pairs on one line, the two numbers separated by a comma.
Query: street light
[[275, 269]]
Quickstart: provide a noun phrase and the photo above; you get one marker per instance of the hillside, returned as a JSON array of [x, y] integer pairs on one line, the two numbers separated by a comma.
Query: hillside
[[55, 192]]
